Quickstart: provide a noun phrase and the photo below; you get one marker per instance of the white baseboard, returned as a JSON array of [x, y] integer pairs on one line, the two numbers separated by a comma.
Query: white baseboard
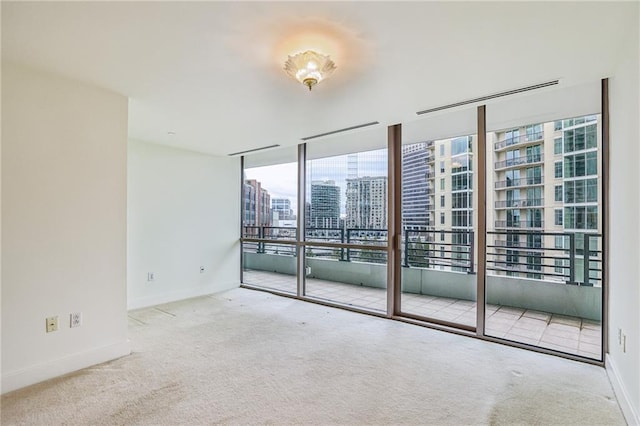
[[174, 296], [630, 414], [28, 376]]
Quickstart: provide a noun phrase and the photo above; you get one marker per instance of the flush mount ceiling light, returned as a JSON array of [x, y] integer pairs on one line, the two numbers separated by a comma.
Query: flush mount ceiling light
[[309, 67]]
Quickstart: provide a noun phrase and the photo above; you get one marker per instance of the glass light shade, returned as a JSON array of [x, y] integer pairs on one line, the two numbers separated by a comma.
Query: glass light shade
[[309, 67]]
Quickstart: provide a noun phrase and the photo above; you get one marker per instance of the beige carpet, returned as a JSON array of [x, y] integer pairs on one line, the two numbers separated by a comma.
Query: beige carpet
[[247, 357]]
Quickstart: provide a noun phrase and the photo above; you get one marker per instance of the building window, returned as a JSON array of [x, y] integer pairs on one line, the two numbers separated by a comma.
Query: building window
[[591, 136], [511, 137], [581, 217], [461, 200], [580, 138], [534, 132], [442, 201], [592, 163], [442, 167], [558, 192], [441, 235], [460, 145], [557, 214], [442, 150], [581, 191], [559, 266], [557, 146], [442, 184], [461, 182], [557, 125], [558, 169], [592, 190], [461, 218], [583, 164], [461, 163], [442, 218]]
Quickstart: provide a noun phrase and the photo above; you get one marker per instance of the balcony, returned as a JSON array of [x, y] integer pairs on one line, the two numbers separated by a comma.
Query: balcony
[[519, 161], [518, 204], [441, 284], [520, 224], [519, 141], [442, 249], [514, 183]]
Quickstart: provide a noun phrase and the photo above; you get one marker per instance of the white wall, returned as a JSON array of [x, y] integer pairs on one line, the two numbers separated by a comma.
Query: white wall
[[183, 213], [624, 266], [64, 225]]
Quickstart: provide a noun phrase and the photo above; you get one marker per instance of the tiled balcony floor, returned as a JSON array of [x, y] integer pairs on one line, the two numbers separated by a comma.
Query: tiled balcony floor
[[572, 335]]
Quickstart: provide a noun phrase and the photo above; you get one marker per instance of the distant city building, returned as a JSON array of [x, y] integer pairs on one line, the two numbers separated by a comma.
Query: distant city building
[[250, 203], [281, 209], [257, 205], [325, 205], [417, 207], [366, 205]]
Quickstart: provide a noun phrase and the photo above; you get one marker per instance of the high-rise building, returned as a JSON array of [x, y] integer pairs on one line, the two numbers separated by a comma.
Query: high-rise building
[[546, 192], [543, 194], [366, 205], [257, 204], [450, 183], [249, 206], [325, 205], [281, 208], [461, 201], [417, 190]]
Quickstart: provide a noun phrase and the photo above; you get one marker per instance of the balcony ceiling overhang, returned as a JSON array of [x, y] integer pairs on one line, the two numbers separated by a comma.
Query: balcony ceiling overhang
[[212, 71]]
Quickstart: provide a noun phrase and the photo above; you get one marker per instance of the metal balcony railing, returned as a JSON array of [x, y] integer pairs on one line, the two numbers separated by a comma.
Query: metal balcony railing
[[521, 224], [519, 161], [516, 252], [531, 137], [522, 252], [516, 204], [427, 249], [509, 183]]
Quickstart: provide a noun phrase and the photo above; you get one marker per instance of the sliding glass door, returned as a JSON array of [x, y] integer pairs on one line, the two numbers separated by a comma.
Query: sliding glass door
[[439, 177]]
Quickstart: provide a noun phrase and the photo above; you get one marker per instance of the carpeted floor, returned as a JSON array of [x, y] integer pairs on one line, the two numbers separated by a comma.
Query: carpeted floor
[[247, 357]]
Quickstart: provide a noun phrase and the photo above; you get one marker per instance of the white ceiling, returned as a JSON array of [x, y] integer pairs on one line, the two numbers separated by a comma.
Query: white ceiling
[[212, 71]]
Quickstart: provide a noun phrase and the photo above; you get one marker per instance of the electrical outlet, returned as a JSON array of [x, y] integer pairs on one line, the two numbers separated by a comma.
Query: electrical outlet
[[151, 276], [202, 269], [75, 319], [52, 324]]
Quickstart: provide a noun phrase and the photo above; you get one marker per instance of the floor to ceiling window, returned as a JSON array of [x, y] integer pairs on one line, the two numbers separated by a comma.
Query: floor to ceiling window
[[544, 227], [438, 197], [500, 231], [269, 226], [346, 220]]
